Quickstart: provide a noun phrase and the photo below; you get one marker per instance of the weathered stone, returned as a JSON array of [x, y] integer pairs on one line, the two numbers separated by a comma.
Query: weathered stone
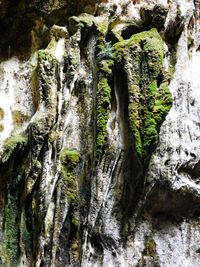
[[100, 168]]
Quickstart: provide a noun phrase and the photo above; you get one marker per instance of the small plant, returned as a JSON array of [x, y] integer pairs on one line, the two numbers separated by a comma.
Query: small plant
[[106, 51]]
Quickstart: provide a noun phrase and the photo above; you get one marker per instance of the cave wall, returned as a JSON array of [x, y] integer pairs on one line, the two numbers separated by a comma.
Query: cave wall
[[99, 125]]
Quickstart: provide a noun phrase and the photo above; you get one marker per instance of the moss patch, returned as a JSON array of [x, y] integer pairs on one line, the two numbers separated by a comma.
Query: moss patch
[[103, 26], [45, 55], [69, 160], [149, 97], [150, 249], [10, 247], [42, 55], [151, 46], [76, 222], [12, 143], [84, 18], [106, 57], [106, 61], [103, 102], [77, 22]]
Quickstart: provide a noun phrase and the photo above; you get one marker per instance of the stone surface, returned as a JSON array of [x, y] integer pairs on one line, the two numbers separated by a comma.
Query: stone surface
[[99, 162]]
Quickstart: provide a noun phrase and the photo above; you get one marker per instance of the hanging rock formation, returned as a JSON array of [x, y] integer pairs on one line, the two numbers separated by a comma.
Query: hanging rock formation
[[99, 131]]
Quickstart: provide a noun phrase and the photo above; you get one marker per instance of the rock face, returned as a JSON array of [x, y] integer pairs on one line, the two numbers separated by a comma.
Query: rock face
[[99, 130]]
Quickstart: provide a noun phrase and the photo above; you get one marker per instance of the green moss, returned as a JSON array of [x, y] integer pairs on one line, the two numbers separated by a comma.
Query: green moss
[[146, 113], [42, 55], [106, 66], [151, 94], [103, 27], [76, 222], [150, 252], [105, 60], [10, 247], [106, 57], [150, 131], [158, 104], [45, 55], [83, 19], [152, 89], [70, 182], [163, 103], [151, 43], [142, 57], [103, 103], [150, 247], [69, 159], [19, 140], [86, 19], [20, 175], [134, 117], [78, 22]]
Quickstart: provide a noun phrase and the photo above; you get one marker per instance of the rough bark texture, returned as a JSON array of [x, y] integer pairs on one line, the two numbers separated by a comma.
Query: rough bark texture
[[99, 131]]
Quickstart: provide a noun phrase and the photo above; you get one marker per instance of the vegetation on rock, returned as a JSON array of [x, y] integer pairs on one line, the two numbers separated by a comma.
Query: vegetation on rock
[[149, 97], [69, 159], [13, 142], [103, 98], [10, 247], [29, 220], [105, 57]]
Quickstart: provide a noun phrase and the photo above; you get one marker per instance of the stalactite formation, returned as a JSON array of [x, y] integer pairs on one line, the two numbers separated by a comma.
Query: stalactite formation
[[99, 133]]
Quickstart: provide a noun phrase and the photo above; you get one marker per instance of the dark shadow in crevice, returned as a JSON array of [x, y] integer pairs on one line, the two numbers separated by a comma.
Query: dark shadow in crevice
[[132, 29], [167, 204], [132, 169]]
